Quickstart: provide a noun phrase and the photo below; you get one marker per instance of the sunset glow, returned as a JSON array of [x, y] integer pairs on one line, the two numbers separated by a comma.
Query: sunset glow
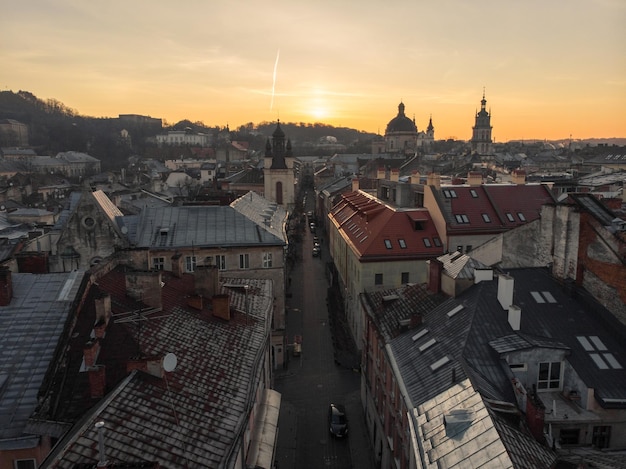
[[549, 70]]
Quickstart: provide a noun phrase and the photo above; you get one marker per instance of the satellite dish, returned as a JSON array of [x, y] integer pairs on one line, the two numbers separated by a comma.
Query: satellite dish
[[124, 229], [169, 362]]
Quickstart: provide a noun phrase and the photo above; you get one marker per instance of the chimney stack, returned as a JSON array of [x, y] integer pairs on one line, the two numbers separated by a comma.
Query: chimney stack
[[434, 179], [518, 176], [355, 184], [6, 286], [381, 173], [434, 275], [145, 286], [206, 280], [221, 306], [415, 177], [474, 178], [395, 174], [505, 290], [515, 317]]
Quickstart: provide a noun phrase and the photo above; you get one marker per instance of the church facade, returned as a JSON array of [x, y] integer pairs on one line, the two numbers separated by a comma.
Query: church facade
[[402, 135], [278, 173]]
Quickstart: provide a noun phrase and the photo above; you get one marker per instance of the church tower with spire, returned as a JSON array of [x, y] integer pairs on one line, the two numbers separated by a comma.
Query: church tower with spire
[[278, 175], [481, 132]]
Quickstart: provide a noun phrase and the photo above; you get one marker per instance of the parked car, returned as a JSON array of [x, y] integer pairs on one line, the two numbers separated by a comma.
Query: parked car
[[316, 251], [312, 227], [337, 420]]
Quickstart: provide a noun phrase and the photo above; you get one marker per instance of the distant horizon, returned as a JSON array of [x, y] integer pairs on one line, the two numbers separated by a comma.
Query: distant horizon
[[548, 72]]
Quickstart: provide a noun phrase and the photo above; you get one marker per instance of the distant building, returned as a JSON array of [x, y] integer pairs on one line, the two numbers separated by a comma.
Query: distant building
[[402, 135], [13, 133], [481, 142], [182, 138], [137, 119], [69, 164]]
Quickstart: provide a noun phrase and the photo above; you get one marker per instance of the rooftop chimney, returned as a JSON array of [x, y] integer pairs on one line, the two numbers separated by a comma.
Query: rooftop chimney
[[381, 173], [415, 177], [518, 176], [355, 184], [221, 306], [474, 178], [434, 179], [434, 275], [102, 462], [505, 290], [6, 286], [395, 174], [206, 280], [145, 286], [515, 317], [103, 309]]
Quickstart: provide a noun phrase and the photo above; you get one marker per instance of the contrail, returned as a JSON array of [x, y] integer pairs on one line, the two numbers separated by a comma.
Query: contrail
[[274, 80]]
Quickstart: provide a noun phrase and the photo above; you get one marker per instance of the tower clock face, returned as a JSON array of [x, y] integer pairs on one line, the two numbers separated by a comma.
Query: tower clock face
[[89, 222]]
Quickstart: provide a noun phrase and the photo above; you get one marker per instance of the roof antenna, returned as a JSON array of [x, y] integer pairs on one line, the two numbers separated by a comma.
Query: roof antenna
[[102, 462]]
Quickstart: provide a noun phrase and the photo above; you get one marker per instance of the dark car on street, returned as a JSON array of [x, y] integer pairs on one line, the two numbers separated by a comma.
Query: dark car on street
[[337, 420]]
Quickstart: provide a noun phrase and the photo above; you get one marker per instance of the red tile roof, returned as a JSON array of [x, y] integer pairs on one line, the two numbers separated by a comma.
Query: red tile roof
[[378, 232], [491, 207]]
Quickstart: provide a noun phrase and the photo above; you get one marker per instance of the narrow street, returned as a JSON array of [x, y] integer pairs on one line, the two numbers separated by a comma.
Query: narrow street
[[325, 372]]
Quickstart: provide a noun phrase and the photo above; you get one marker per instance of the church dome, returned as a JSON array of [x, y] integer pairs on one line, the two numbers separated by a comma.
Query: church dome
[[401, 123]]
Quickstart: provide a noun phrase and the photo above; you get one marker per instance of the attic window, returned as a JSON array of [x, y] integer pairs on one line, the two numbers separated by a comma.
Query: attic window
[[427, 345], [449, 194], [455, 310], [474, 194], [388, 244], [419, 226], [521, 216], [402, 243], [510, 217], [437, 241], [427, 242], [439, 363], [419, 335], [486, 218], [461, 218]]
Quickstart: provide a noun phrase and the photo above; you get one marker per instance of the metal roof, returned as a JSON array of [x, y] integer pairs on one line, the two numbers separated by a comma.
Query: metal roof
[[266, 214], [173, 227], [30, 328]]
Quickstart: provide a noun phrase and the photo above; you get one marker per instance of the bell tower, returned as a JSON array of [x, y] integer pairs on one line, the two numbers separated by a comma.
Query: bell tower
[[278, 176], [481, 132]]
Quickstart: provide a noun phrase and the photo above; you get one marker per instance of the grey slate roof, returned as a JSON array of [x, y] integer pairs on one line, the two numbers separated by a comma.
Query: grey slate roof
[[266, 214], [199, 226], [30, 328], [460, 266], [193, 417]]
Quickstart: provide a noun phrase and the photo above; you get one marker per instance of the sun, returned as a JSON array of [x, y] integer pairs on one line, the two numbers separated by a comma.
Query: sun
[[319, 112]]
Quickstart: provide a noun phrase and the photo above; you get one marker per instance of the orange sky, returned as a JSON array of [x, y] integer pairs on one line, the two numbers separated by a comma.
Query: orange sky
[[550, 69]]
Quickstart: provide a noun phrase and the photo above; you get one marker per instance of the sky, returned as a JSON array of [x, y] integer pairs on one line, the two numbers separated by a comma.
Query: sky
[[550, 69]]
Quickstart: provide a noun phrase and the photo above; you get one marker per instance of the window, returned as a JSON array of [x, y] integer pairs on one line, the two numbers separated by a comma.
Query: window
[[510, 217], [158, 263], [427, 242], [384, 192], [378, 279], [449, 194], [244, 261], [461, 218], [388, 244], [24, 464], [521, 216], [474, 194], [601, 436], [459, 248], [549, 375], [437, 241], [190, 263], [569, 436], [220, 262], [267, 260], [402, 243], [468, 248], [486, 218], [405, 278]]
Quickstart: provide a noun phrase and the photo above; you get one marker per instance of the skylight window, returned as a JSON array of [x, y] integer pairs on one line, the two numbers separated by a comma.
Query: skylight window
[[474, 194], [388, 244], [543, 297], [598, 352], [402, 243], [437, 241], [427, 345], [419, 335], [486, 218], [455, 310], [439, 363], [461, 218], [427, 242], [453, 193], [521, 216], [510, 217]]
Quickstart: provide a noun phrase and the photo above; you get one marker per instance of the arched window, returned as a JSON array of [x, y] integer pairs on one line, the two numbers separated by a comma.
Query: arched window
[[279, 193]]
